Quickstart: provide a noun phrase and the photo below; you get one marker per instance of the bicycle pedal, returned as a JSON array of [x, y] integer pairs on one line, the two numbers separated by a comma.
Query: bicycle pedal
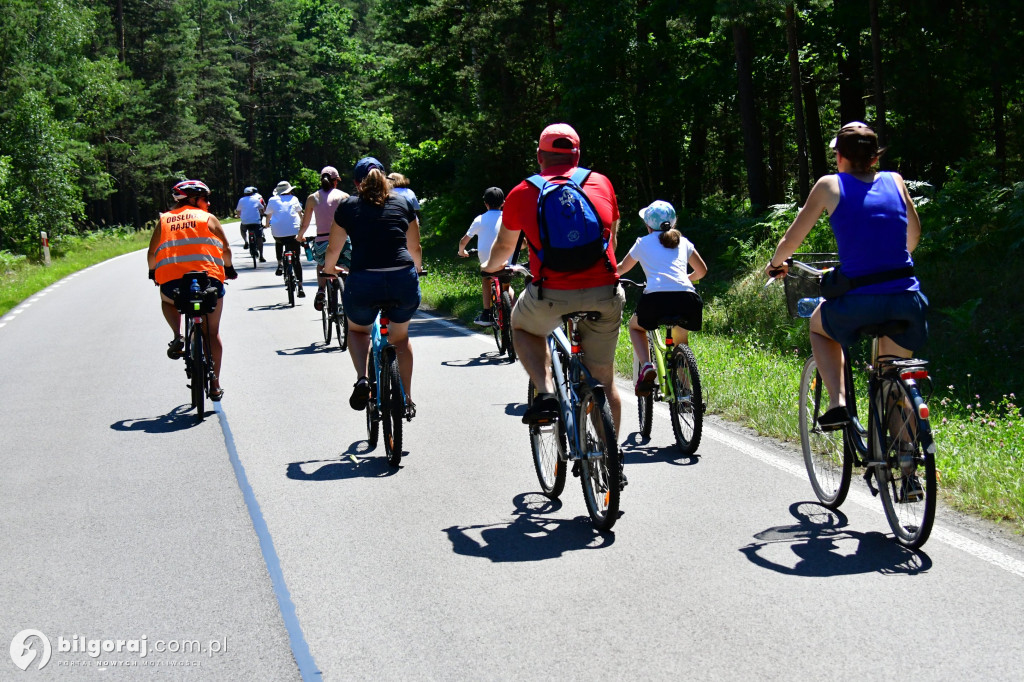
[[576, 468]]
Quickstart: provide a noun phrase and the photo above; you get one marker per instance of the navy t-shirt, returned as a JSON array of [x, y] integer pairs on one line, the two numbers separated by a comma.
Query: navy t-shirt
[[377, 232]]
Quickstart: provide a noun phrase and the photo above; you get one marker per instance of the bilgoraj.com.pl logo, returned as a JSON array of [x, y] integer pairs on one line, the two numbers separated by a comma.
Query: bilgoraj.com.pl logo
[[29, 644], [23, 648]]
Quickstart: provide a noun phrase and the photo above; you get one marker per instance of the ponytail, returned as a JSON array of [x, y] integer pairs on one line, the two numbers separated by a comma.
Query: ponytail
[[670, 238], [375, 187], [327, 183]]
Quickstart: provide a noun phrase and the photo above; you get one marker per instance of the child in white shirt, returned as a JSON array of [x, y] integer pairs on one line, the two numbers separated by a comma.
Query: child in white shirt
[[664, 255]]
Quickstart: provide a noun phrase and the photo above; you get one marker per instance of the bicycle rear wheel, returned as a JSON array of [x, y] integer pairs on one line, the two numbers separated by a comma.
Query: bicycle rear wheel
[[687, 404], [340, 320], [907, 482], [829, 462], [601, 465], [289, 278], [505, 317], [254, 250], [548, 445], [392, 409], [372, 412], [197, 362], [326, 313]]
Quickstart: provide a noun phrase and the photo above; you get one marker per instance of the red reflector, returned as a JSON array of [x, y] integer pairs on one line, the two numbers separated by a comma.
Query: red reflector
[[575, 349], [922, 411], [669, 342], [916, 374]]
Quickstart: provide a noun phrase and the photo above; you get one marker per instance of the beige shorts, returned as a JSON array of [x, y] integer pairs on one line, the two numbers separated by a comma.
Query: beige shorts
[[598, 337]]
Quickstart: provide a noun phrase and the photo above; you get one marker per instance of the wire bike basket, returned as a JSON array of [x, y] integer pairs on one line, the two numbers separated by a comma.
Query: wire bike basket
[[799, 284]]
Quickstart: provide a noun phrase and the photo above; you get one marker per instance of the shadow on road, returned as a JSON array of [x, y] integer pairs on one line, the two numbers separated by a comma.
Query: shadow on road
[[531, 536], [355, 462], [515, 409], [311, 349], [178, 419], [635, 450], [276, 306], [488, 359], [819, 545]]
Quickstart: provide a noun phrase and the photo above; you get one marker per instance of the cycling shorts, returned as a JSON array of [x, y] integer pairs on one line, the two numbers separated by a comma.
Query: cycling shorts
[[659, 307], [598, 337], [344, 260], [843, 317], [366, 291]]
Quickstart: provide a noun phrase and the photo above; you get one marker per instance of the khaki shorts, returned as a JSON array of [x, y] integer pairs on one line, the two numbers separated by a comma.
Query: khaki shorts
[[598, 337]]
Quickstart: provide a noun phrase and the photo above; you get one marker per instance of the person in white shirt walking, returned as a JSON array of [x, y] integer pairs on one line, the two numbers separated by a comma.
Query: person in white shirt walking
[[664, 255], [485, 228], [284, 213]]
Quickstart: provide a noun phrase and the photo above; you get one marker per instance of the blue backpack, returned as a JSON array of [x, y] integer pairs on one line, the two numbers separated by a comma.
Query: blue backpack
[[571, 235]]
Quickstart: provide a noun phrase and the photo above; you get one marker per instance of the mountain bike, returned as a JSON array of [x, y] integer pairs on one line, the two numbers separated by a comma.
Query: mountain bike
[[501, 305], [333, 313], [678, 385], [195, 304], [896, 449], [584, 433], [387, 406], [255, 238]]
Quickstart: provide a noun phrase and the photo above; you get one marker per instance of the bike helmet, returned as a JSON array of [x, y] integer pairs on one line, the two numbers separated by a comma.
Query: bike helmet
[[190, 188]]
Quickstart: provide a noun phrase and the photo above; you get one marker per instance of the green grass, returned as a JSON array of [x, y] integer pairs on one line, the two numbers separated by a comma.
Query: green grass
[[980, 444], [20, 278]]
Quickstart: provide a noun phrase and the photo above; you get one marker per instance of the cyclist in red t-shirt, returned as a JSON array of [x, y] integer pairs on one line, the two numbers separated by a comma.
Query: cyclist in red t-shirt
[[593, 289]]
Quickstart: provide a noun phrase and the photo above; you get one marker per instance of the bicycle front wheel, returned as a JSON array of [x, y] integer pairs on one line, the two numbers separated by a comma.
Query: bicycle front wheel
[[687, 404], [907, 480], [392, 410], [828, 461], [601, 463], [197, 361], [548, 444], [506, 325], [340, 321]]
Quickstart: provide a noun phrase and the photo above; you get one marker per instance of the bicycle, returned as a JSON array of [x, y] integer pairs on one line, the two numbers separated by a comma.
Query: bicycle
[[333, 313], [195, 304], [288, 273], [387, 404], [678, 385], [501, 306], [584, 433], [896, 449], [255, 238]]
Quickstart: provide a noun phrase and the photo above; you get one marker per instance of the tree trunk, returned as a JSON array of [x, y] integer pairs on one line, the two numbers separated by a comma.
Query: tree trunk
[[753, 154], [881, 129], [815, 140], [848, 20], [803, 184]]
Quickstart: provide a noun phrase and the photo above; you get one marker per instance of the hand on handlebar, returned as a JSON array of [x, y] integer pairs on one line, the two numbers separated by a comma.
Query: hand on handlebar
[[778, 272]]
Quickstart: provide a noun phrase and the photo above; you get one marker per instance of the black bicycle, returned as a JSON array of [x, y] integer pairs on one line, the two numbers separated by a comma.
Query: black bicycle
[[333, 313], [288, 258], [254, 234], [896, 449], [501, 305], [195, 303]]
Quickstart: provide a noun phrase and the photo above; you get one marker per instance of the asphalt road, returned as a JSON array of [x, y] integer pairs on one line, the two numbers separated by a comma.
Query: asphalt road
[[271, 538]]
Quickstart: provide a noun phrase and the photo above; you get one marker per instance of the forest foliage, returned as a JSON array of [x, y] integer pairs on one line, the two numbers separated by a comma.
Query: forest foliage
[[723, 107]]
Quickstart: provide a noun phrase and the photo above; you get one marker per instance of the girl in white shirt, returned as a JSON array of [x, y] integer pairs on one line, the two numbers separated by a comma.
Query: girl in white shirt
[[664, 255]]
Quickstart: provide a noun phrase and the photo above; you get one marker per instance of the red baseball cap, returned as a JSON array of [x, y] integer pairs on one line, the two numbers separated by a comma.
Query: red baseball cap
[[560, 138]]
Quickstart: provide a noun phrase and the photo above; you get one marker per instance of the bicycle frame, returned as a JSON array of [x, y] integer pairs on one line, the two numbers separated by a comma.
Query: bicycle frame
[[566, 387], [661, 351], [380, 346]]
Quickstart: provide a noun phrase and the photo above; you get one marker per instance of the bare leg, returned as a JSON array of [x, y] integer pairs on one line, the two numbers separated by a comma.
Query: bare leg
[[358, 346], [606, 375], [398, 333], [828, 355], [486, 292], [171, 314], [216, 346], [638, 336], [533, 353]]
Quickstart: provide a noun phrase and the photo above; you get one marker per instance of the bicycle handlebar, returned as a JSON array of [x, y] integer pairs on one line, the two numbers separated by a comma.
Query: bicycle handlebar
[[638, 285]]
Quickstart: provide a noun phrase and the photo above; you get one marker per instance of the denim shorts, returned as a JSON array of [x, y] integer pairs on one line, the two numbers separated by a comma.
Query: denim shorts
[[366, 292], [344, 259], [844, 316]]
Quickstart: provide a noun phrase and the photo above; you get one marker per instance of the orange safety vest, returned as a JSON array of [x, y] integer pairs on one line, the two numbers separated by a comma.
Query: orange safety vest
[[186, 245]]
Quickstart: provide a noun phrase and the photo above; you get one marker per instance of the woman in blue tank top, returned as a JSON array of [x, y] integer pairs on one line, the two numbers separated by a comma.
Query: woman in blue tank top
[[876, 228]]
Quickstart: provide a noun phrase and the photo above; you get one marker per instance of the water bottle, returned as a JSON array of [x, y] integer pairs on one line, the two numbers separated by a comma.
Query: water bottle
[[805, 306]]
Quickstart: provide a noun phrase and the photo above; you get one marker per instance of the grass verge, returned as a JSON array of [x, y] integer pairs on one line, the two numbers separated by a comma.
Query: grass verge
[[20, 279], [980, 444]]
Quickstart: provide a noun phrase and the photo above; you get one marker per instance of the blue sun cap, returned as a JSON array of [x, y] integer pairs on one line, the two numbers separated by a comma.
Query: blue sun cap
[[658, 214]]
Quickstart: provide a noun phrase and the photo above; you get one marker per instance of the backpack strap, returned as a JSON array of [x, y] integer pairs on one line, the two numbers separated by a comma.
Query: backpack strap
[[580, 176], [537, 181]]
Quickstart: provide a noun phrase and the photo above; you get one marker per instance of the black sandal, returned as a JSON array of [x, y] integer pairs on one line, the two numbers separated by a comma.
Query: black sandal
[[216, 394], [360, 394], [410, 410], [176, 348], [836, 418]]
